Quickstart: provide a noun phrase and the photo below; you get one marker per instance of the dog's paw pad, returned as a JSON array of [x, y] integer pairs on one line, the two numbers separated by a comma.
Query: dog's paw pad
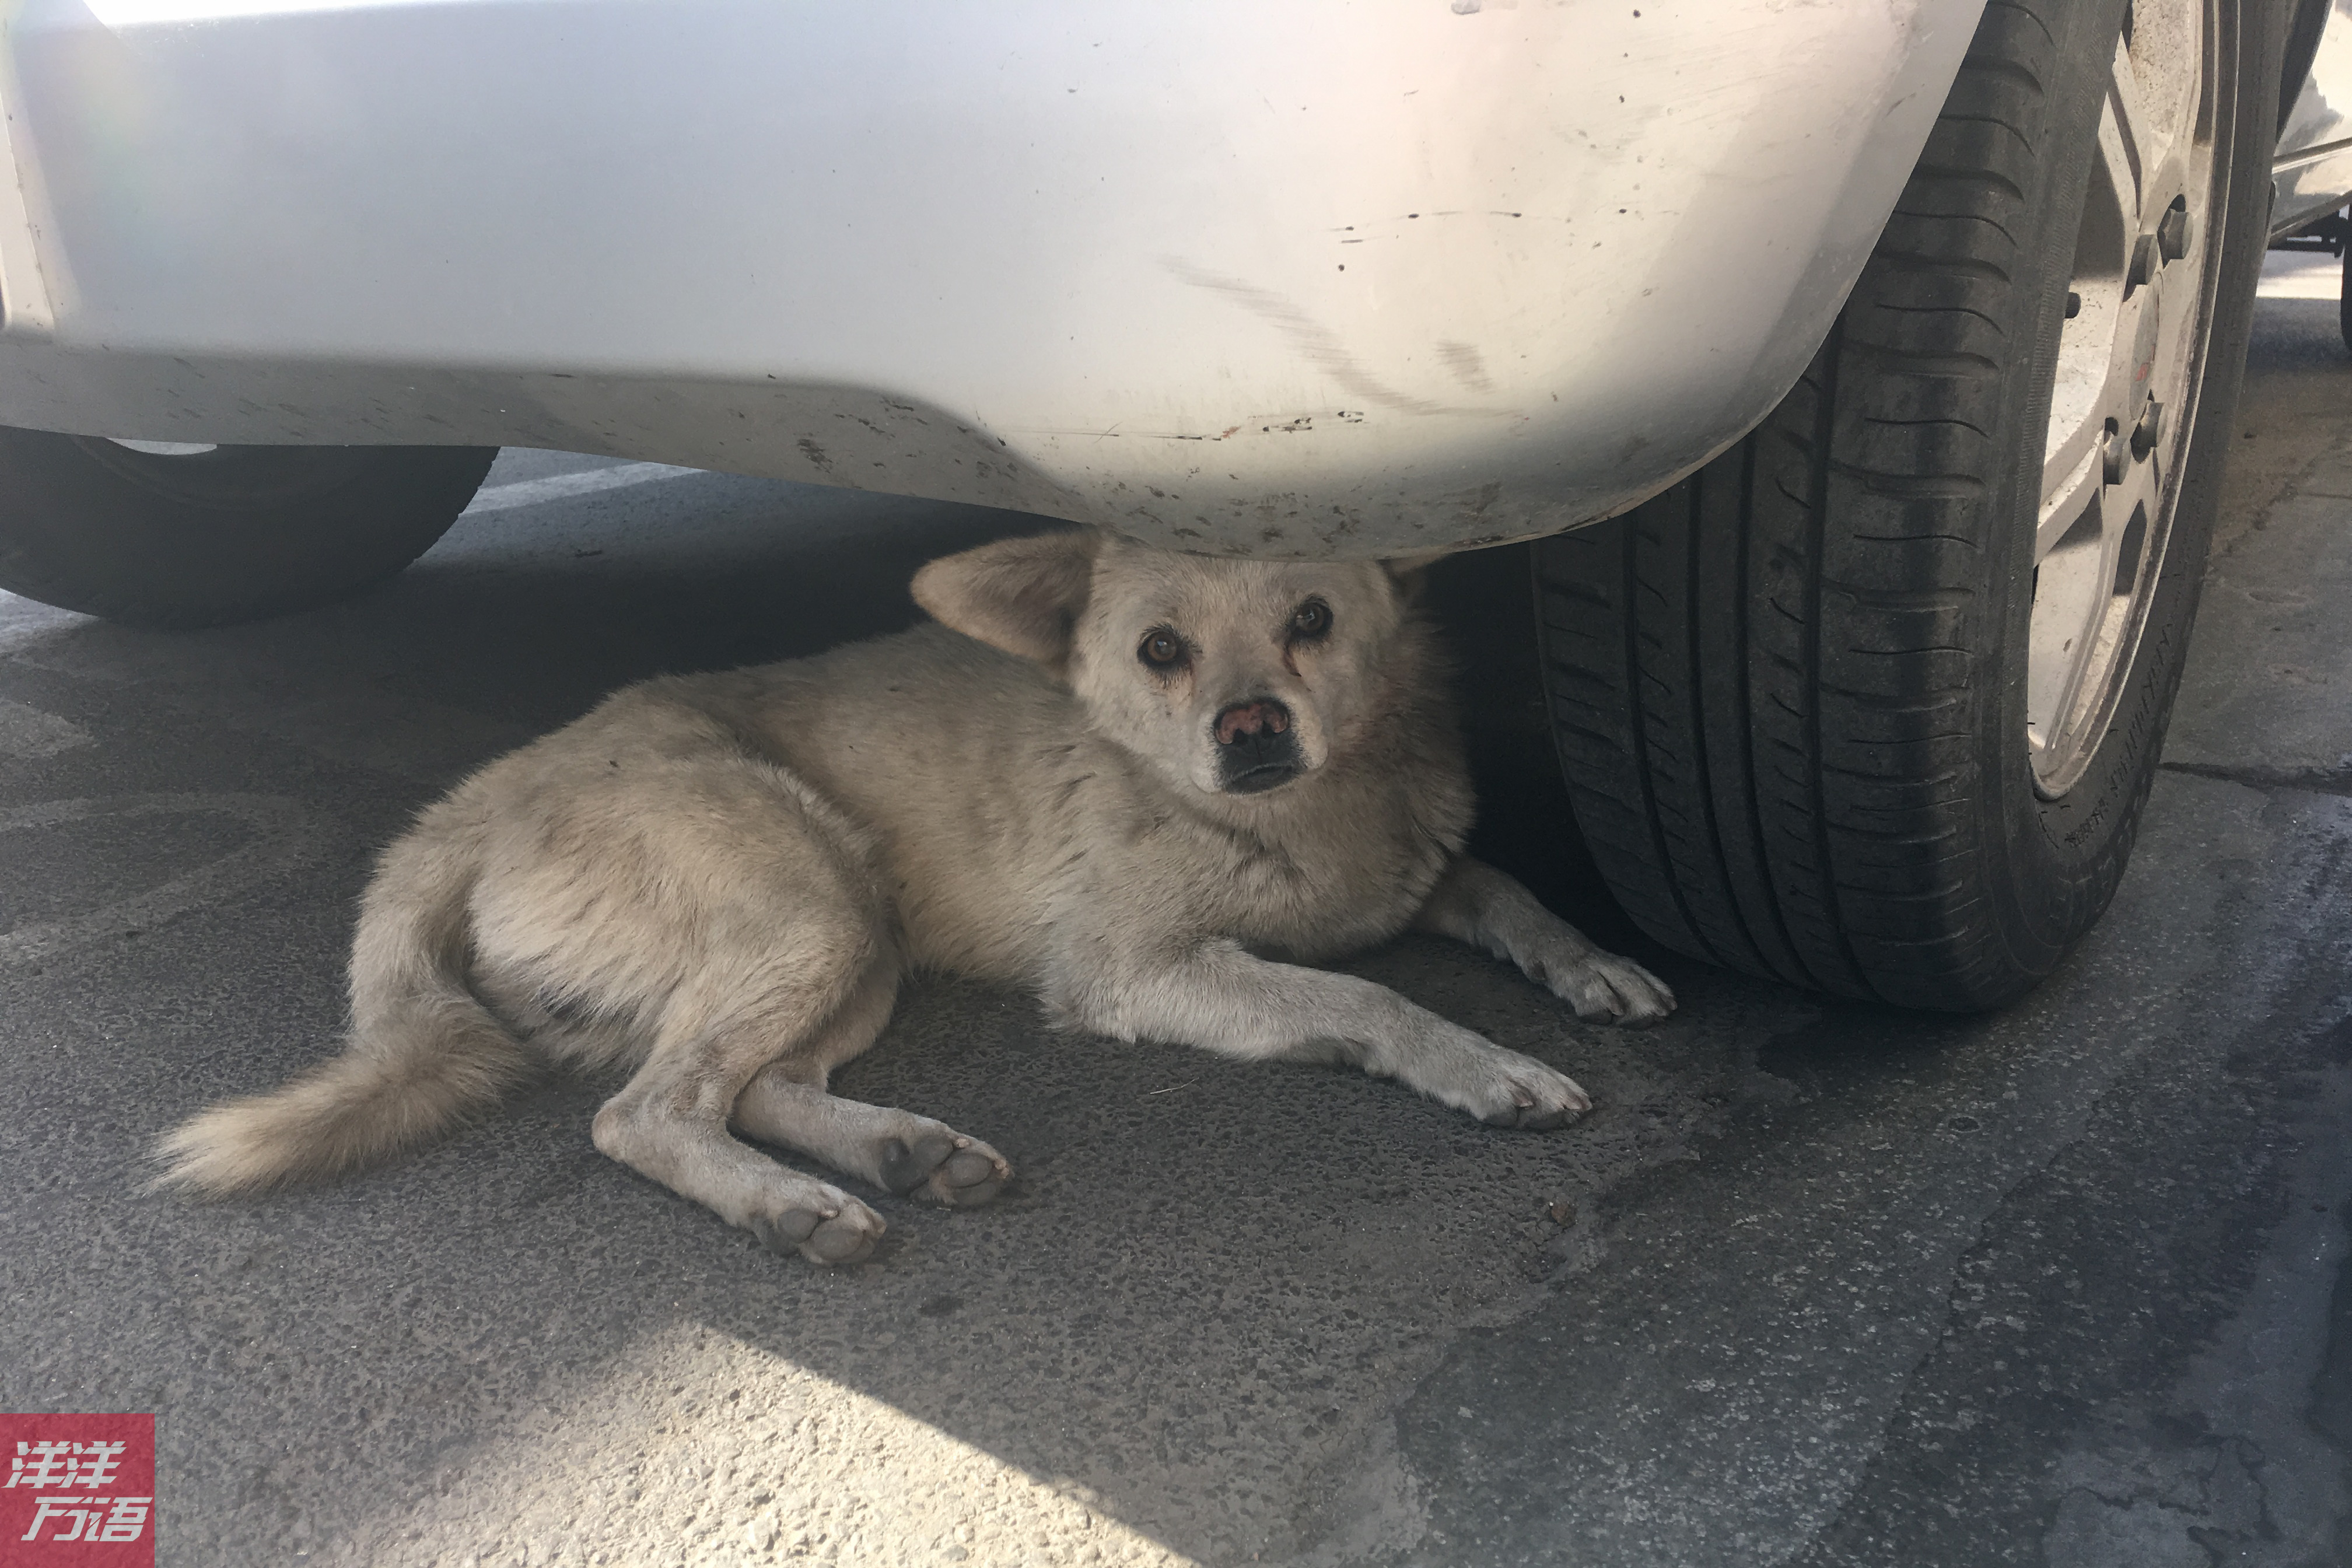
[[847, 1235], [906, 1164], [840, 1241], [783, 1232], [943, 1166], [972, 1176]]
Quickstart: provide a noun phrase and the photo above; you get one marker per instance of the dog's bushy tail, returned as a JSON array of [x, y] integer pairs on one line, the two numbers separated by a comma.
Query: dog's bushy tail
[[424, 1053]]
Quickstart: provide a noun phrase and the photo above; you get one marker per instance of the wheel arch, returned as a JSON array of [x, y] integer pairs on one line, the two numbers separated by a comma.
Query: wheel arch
[[2303, 34]]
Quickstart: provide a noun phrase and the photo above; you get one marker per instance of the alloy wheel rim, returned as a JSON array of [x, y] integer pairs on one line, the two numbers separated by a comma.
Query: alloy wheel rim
[[2130, 356]]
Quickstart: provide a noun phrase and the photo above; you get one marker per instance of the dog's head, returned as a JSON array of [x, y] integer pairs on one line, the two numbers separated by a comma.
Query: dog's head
[[1231, 677]]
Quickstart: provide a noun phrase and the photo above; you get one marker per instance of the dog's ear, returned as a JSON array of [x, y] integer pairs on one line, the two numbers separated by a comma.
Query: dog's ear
[[1022, 595], [1410, 572]]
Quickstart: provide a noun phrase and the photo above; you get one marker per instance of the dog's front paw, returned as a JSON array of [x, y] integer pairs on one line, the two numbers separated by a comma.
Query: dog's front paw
[[822, 1224], [1602, 986], [1500, 1088], [1532, 1097]]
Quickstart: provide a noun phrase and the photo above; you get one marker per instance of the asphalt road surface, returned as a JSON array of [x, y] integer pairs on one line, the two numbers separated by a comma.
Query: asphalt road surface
[[1816, 1284]]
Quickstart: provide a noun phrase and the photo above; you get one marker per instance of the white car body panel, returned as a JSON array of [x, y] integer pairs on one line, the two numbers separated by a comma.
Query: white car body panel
[[1310, 280], [2314, 166]]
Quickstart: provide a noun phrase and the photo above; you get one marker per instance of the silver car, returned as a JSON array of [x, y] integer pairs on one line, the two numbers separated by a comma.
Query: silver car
[[1861, 373]]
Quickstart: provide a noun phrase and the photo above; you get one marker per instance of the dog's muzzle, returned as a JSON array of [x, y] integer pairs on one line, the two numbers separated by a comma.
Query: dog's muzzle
[[1256, 750]]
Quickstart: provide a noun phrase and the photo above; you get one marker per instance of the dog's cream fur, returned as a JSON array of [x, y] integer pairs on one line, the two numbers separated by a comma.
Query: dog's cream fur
[[722, 878]]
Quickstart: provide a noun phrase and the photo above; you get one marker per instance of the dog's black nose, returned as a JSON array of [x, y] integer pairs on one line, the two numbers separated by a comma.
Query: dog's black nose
[[1255, 748], [1259, 716]]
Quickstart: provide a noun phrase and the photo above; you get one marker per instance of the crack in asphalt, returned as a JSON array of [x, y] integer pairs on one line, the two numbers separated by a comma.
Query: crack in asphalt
[[2312, 781]]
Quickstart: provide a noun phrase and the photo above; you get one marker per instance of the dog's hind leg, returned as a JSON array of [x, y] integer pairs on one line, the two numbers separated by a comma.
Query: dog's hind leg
[[786, 1104], [670, 1121]]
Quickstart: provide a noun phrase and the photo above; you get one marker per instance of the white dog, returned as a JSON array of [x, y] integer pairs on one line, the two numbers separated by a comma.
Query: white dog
[[1147, 787]]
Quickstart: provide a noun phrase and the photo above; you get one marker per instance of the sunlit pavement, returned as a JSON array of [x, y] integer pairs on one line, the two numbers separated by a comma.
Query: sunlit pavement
[[1815, 1284]]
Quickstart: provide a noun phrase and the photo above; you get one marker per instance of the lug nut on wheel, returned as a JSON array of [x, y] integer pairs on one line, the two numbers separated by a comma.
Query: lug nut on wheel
[[2172, 230], [2147, 432]]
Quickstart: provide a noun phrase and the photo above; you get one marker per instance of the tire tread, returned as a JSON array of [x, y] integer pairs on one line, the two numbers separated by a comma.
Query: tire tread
[[1785, 789]]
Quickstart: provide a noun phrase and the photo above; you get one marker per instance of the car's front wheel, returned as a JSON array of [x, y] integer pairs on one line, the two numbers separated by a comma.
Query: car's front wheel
[[1872, 702], [192, 536]]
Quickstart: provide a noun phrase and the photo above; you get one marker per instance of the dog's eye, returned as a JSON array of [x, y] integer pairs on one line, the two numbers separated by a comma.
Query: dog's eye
[[1161, 650], [1310, 620]]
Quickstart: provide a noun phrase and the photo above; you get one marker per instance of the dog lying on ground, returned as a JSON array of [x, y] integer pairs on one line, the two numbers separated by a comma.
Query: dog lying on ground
[[1148, 786]]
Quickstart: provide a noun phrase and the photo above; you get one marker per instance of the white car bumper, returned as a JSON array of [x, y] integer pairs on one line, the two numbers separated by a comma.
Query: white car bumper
[[1314, 279]]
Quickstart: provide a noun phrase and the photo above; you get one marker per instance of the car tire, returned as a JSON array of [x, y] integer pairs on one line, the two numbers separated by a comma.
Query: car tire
[[1811, 703], [2344, 298], [211, 535]]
